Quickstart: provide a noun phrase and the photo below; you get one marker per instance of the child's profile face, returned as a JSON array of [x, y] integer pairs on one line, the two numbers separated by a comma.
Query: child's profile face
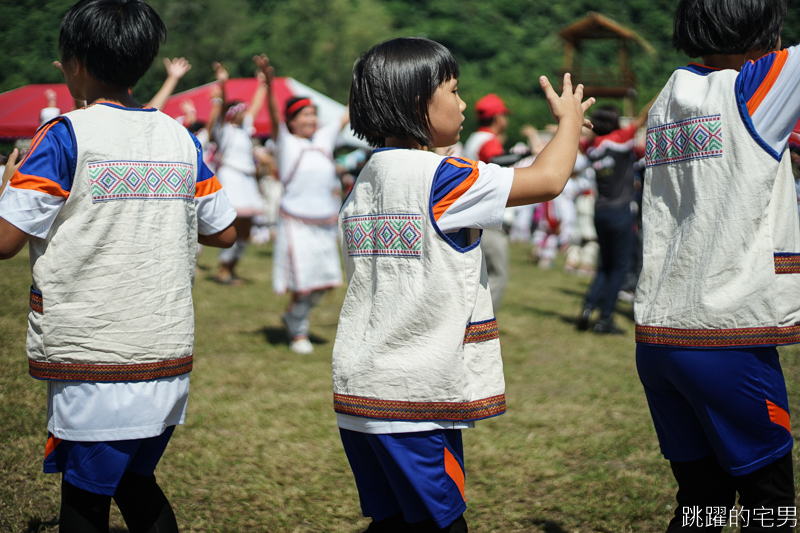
[[446, 114]]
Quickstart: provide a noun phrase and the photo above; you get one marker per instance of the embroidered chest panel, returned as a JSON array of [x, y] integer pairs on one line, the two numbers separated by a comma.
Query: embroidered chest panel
[[135, 180], [696, 138], [392, 234]]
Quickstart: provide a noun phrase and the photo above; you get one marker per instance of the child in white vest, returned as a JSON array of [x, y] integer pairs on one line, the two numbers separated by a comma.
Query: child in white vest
[[417, 353], [112, 200], [721, 276]]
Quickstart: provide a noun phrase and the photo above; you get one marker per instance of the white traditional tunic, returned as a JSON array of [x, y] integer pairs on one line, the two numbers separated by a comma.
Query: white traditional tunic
[[113, 199], [306, 248], [720, 222], [237, 168], [417, 344]]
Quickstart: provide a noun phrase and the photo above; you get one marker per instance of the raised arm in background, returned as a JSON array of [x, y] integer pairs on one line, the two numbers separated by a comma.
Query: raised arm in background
[[175, 71]]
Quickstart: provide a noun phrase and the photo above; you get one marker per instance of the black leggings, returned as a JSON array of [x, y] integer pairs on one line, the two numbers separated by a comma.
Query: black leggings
[[139, 498], [704, 484]]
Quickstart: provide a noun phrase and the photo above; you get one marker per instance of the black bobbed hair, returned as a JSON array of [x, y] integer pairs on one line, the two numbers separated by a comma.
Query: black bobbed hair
[[117, 40], [730, 27], [605, 119], [393, 84]]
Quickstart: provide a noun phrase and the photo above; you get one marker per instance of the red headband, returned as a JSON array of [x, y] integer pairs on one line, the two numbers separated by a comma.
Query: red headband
[[297, 106]]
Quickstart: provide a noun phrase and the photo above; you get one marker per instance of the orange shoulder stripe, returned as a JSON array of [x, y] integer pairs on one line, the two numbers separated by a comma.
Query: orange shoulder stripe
[[37, 183], [769, 81], [206, 187], [445, 203], [38, 138]]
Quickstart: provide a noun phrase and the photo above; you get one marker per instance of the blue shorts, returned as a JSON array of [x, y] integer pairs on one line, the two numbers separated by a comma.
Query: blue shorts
[[420, 475], [98, 467], [728, 403]]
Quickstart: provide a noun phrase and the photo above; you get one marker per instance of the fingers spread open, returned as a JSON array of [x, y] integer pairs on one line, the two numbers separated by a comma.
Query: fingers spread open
[[567, 84], [547, 87]]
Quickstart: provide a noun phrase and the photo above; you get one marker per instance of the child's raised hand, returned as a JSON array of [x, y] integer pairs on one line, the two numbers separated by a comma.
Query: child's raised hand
[[177, 67], [262, 62], [220, 71], [568, 106]]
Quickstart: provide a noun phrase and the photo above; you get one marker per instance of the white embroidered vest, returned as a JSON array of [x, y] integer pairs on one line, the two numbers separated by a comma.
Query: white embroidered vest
[[721, 236], [112, 281], [417, 337]]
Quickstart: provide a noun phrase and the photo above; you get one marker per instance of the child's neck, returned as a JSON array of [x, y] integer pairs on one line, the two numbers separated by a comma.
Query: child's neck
[[124, 99], [394, 142], [732, 61]]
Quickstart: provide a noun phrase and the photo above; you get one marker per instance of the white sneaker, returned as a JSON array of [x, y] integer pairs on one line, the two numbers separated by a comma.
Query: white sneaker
[[301, 345]]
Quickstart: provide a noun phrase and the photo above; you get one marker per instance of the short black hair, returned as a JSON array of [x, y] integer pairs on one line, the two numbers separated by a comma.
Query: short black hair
[[605, 119], [117, 40], [729, 27], [393, 83], [290, 102]]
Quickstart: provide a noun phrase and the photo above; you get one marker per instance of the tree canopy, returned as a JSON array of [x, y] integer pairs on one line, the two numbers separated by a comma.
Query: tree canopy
[[503, 46]]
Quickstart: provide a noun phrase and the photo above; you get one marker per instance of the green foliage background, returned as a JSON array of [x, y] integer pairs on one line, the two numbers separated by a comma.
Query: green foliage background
[[503, 46]]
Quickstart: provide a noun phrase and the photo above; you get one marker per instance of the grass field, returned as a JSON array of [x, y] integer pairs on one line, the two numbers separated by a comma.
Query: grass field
[[260, 450]]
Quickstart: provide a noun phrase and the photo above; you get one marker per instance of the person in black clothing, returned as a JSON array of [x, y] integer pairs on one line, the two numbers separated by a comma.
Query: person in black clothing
[[610, 151]]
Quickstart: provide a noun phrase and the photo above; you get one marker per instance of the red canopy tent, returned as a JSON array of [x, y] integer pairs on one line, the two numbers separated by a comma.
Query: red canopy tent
[[20, 108], [236, 89]]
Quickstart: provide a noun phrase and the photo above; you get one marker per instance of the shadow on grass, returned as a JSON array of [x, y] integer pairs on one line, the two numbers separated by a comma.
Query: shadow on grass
[[569, 319], [548, 526], [263, 252], [276, 335], [35, 525]]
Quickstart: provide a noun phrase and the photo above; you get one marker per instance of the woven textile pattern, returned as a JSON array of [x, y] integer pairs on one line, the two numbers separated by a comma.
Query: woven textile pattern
[[394, 235], [110, 373], [718, 338], [134, 180], [786, 263], [398, 410], [481, 331], [37, 303], [696, 138]]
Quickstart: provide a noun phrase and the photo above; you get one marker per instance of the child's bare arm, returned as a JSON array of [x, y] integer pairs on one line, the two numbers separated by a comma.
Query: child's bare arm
[[175, 71], [12, 239], [547, 176], [272, 102], [223, 239]]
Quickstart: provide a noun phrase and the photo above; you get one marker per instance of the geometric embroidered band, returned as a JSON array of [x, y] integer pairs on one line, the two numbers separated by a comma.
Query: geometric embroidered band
[[136, 180], [481, 331], [37, 305], [109, 373], [393, 235], [397, 410], [719, 338], [695, 138], [787, 263]]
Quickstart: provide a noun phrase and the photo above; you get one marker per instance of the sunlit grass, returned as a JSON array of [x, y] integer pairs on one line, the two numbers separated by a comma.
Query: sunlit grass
[[261, 452]]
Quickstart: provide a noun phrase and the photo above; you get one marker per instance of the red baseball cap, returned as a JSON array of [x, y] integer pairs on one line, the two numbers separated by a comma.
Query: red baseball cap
[[489, 106]]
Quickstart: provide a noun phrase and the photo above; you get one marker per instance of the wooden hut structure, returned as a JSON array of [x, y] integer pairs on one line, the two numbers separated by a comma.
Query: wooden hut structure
[[603, 81]]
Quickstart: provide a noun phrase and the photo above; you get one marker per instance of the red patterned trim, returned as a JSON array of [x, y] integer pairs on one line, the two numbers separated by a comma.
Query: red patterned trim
[[109, 373], [37, 303], [786, 263], [718, 338], [398, 410], [481, 331]]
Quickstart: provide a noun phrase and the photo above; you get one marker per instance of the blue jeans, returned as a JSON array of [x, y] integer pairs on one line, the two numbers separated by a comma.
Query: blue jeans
[[615, 236]]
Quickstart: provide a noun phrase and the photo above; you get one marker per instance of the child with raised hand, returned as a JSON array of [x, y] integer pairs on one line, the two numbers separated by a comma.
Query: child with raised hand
[[721, 274], [112, 200], [417, 353]]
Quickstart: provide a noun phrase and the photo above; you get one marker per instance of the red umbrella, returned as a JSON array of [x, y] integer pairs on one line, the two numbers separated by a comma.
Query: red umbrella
[[236, 89], [20, 108]]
